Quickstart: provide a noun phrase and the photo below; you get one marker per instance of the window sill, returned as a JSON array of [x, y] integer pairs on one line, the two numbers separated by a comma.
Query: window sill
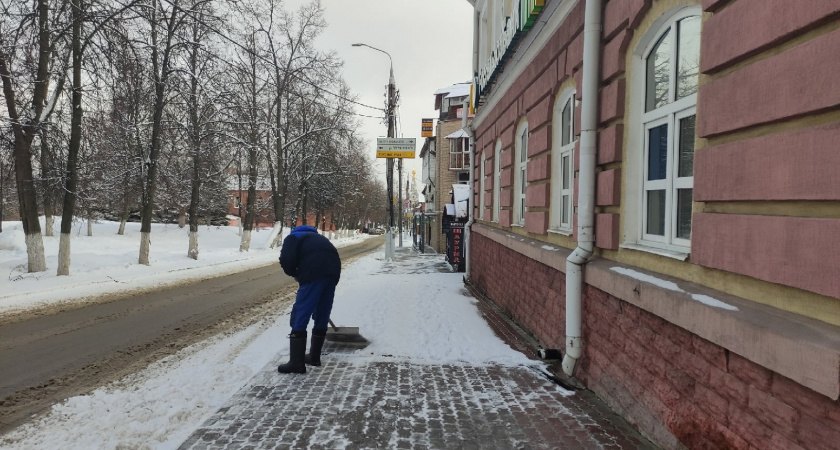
[[561, 232], [673, 254]]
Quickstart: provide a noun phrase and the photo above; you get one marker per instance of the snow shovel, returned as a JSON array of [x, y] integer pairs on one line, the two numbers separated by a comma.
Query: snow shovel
[[345, 334]]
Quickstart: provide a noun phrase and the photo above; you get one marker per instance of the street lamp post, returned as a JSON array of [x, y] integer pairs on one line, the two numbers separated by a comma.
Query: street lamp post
[[389, 165]]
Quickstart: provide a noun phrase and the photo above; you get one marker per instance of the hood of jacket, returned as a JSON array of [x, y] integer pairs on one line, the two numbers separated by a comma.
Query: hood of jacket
[[303, 229]]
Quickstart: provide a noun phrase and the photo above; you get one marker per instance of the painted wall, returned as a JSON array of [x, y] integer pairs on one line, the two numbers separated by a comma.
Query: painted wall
[[764, 226]]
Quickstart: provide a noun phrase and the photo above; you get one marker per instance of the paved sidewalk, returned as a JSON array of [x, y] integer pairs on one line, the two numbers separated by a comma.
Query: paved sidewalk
[[350, 403]]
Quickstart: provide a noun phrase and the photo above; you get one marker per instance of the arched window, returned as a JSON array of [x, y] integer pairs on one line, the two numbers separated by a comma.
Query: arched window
[[520, 175], [562, 163], [497, 177], [669, 67], [481, 177]]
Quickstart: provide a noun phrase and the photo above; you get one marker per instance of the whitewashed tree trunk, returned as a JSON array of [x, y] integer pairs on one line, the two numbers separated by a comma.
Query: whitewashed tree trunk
[[276, 236], [193, 251], [182, 218], [240, 228], [63, 255], [90, 226], [48, 226], [245, 243], [35, 252], [145, 243]]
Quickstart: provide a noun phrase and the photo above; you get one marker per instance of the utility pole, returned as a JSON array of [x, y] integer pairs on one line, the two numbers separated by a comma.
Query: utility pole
[[392, 106], [399, 189], [389, 164]]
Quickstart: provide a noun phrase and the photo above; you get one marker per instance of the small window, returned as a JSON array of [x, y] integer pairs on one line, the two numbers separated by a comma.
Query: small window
[[497, 177], [520, 175], [481, 185], [458, 153], [562, 163]]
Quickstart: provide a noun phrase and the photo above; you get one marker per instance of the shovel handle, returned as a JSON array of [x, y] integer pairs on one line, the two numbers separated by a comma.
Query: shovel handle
[[335, 328]]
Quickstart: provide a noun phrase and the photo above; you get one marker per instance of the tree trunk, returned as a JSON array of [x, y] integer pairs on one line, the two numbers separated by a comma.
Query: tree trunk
[[64, 254], [182, 217], [69, 206], [160, 64], [245, 243], [195, 137], [90, 223], [46, 169], [123, 219], [193, 250]]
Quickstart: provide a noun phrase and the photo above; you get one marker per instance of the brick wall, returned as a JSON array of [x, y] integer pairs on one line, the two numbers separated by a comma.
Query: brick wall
[[666, 380], [674, 386], [537, 305]]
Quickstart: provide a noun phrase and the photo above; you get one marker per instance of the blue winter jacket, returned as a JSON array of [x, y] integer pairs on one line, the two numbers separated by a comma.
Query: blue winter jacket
[[308, 256]]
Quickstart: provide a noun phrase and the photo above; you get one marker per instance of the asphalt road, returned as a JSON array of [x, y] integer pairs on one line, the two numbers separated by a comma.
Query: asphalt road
[[52, 355]]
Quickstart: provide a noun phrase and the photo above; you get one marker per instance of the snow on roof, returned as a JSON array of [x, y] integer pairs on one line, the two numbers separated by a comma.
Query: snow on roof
[[456, 90], [458, 134]]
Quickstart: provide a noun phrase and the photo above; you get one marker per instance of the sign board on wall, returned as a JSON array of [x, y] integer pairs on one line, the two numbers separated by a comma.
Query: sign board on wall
[[395, 147], [521, 19], [428, 128]]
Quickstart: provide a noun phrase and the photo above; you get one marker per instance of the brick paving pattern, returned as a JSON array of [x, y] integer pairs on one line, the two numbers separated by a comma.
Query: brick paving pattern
[[353, 403]]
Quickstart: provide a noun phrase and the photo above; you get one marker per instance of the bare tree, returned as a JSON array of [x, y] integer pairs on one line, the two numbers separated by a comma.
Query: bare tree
[[165, 21], [31, 57]]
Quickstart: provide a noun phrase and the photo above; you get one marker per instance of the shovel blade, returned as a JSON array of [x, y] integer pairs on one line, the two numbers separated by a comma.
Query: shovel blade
[[345, 334]]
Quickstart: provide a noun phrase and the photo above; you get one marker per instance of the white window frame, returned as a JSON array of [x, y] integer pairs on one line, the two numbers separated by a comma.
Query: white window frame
[[563, 181], [481, 185], [520, 174], [497, 181], [640, 123], [458, 153]]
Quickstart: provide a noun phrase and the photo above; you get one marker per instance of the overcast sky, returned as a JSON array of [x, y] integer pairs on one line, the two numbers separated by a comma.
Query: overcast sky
[[430, 42]]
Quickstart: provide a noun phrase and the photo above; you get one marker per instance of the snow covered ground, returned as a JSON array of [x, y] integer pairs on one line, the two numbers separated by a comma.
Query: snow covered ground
[[160, 407]]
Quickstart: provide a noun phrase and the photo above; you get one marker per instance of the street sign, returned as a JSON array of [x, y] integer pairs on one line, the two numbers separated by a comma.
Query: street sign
[[395, 147], [428, 128]]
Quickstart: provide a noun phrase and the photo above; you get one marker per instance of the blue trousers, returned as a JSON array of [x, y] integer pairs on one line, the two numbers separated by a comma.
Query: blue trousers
[[314, 300]]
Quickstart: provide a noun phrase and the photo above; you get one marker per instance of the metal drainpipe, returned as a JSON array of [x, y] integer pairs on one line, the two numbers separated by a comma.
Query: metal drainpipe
[[586, 186], [471, 132], [471, 204]]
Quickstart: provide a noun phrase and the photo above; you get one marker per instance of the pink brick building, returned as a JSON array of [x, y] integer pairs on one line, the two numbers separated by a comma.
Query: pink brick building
[[691, 146]]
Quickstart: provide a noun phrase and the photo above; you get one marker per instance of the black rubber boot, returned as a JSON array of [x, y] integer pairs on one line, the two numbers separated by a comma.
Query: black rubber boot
[[313, 358], [297, 352]]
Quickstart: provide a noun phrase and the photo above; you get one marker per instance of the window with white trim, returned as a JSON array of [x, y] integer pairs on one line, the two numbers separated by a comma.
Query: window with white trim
[[458, 152], [481, 185], [497, 177], [520, 175], [668, 114], [562, 163]]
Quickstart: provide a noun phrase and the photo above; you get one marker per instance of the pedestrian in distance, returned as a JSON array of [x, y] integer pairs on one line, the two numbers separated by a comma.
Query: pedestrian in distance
[[313, 261]]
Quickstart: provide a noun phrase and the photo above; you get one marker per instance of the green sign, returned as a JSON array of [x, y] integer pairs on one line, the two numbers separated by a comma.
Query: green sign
[[528, 12]]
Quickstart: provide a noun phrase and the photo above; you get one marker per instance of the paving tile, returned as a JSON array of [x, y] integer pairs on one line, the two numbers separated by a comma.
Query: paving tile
[[349, 403]]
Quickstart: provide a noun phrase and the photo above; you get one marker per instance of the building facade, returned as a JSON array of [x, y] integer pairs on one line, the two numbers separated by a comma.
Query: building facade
[[676, 156], [449, 155]]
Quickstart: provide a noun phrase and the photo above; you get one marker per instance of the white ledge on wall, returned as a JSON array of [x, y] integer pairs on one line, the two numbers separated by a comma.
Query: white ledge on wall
[[673, 254]]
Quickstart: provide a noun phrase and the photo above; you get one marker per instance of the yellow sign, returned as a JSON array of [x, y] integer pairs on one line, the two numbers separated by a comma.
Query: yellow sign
[[395, 147], [428, 128], [394, 154]]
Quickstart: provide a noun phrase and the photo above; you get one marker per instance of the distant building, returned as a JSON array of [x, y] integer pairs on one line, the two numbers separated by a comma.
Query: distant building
[[445, 158]]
